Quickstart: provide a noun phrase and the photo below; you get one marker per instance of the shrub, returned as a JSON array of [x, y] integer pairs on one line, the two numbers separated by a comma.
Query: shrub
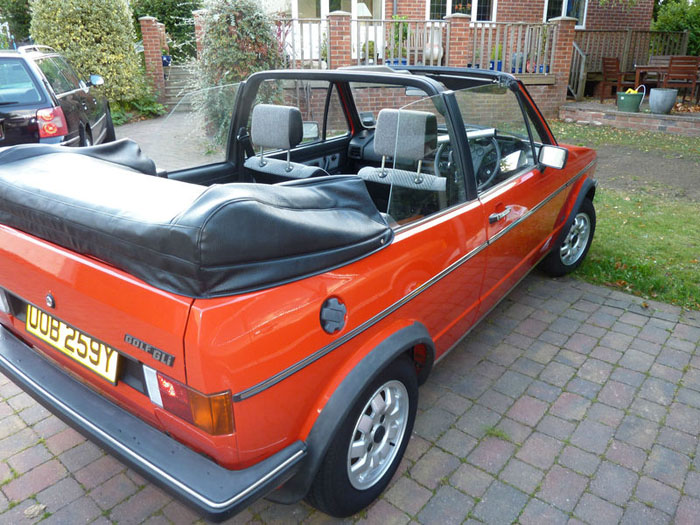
[[238, 39], [16, 13], [95, 37], [178, 20], [680, 15]]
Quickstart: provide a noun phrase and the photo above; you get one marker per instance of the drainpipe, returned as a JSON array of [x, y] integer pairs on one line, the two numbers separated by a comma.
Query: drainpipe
[[394, 10]]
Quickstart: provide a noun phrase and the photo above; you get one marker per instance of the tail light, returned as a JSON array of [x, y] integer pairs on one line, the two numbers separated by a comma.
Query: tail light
[[52, 122], [212, 413]]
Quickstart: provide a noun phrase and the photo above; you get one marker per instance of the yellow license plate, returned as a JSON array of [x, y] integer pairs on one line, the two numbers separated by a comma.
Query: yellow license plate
[[87, 351]]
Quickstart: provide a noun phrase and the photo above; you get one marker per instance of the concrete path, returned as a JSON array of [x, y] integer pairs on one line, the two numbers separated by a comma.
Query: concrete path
[[570, 403]]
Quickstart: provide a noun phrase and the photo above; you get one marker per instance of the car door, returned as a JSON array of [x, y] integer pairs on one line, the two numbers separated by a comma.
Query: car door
[[519, 198], [93, 114]]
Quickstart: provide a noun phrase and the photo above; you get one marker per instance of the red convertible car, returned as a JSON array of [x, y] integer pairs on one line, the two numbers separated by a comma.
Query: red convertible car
[[259, 326]]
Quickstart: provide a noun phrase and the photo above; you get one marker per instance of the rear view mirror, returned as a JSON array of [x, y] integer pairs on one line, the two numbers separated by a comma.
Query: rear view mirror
[[553, 156], [310, 130], [96, 80]]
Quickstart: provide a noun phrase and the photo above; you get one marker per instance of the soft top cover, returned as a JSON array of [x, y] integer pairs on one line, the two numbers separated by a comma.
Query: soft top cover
[[184, 238]]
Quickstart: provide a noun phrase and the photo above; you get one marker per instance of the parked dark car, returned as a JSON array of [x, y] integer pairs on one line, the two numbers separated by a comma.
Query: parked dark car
[[42, 99]]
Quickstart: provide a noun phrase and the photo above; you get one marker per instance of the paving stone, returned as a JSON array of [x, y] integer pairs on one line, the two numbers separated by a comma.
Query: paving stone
[[625, 328], [553, 338], [98, 471], [512, 383], [595, 371], [658, 391], [60, 494], [636, 360], [638, 513], [527, 410], [517, 432], [34, 414], [626, 455], [687, 332], [495, 401], [583, 388], [505, 354], [667, 466], [661, 496], [595, 510], [692, 484], [63, 441], [17, 442], [539, 450], [628, 377], [579, 460], [417, 446], [490, 370], [562, 488], [522, 475], [113, 491], [688, 397], [537, 512], [178, 514], [77, 457], [637, 431], [605, 414], [531, 327], [673, 358], [472, 385], [677, 440], [688, 511], [614, 483], [606, 354], [34, 481], [664, 372], [654, 334], [616, 340], [616, 394], [580, 343], [29, 458], [476, 420], [500, 504], [408, 496], [543, 391], [557, 374], [454, 403], [527, 366], [684, 418], [542, 352], [555, 427], [570, 406], [648, 410], [446, 506], [433, 422], [433, 467], [82, 510], [471, 480], [140, 505], [519, 340], [49, 427], [569, 358], [277, 513], [691, 379], [592, 436], [563, 325], [457, 443], [491, 454]]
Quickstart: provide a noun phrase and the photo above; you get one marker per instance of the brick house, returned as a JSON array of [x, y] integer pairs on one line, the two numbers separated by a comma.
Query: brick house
[[616, 14]]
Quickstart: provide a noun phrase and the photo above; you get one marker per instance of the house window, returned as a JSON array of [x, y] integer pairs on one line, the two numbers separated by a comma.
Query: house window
[[480, 10], [573, 8], [309, 8], [340, 5]]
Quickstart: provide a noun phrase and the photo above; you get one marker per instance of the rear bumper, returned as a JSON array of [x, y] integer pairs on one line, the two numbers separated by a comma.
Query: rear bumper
[[197, 481]]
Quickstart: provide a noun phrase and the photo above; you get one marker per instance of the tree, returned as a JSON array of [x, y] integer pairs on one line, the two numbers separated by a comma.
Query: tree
[[681, 15], [178, 20], [16, 13], [96, 37]]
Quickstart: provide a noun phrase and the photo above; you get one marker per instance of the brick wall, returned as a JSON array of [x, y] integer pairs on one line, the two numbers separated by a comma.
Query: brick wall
[[339, 40], [152, 53], [411, 9], [198, 30], [618, 15], [520, 11]]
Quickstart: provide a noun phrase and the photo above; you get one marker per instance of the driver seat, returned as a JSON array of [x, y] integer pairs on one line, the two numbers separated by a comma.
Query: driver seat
[[411, 136]]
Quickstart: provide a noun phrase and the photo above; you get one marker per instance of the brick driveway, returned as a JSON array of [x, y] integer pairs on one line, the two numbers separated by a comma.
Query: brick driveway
[[569, 403]]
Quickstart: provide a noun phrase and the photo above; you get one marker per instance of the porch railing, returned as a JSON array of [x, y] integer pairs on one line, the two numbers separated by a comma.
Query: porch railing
[[630, 47], [303, 42], [577, 73]]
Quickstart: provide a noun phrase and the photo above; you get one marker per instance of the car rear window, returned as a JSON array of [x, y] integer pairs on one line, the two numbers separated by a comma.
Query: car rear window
[[16, 84]]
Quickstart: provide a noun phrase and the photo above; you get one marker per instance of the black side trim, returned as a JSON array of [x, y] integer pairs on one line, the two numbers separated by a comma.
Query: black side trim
[[194, 479], [343, 399]]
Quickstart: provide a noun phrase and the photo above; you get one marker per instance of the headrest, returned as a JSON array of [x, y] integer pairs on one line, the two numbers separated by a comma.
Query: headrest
[[405, 134], [276, 127]]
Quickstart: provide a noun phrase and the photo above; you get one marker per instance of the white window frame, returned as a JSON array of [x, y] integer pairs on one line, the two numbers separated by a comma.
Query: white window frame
[[563, 13], [448, 10]]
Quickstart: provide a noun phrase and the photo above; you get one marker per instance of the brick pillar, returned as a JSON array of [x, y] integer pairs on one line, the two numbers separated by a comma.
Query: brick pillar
[[163, 38], [459, 39], [198, 30], [152, 54], [339, 40], [563, 51]]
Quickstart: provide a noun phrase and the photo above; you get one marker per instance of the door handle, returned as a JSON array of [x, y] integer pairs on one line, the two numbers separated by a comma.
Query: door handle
[[495, 217]]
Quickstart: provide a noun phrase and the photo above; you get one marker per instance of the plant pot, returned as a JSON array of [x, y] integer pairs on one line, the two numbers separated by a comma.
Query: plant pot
[[498, 65], [629, 102], [662, 100]]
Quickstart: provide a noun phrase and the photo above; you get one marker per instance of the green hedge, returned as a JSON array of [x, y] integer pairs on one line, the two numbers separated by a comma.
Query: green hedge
[[178, 20], [96, 37], [681, 15]]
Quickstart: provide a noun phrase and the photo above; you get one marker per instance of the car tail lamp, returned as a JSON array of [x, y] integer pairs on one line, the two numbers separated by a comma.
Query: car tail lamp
[[52, 122], [212, 413]]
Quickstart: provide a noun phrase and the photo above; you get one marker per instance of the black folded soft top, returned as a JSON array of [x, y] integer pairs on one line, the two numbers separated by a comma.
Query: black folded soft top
[[188, 239]]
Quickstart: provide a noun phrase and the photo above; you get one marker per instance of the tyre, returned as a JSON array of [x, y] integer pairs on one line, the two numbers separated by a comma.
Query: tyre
[[369, 445], [110, 135], [573, 247]]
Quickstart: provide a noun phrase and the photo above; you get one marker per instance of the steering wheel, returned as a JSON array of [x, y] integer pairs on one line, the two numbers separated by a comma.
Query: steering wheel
[[489, 163], [442, 168]]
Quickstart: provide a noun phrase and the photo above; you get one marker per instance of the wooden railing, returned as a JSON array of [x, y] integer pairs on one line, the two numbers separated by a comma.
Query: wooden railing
[[303, 42], [577, 73], [631, 47]]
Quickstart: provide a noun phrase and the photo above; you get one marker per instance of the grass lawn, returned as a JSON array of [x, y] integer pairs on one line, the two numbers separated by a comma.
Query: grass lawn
[[645, 244]]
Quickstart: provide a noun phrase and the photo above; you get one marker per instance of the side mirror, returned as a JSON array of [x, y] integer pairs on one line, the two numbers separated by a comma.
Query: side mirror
[[367, 119], [96, 80], [553, 156], [311, 131]]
